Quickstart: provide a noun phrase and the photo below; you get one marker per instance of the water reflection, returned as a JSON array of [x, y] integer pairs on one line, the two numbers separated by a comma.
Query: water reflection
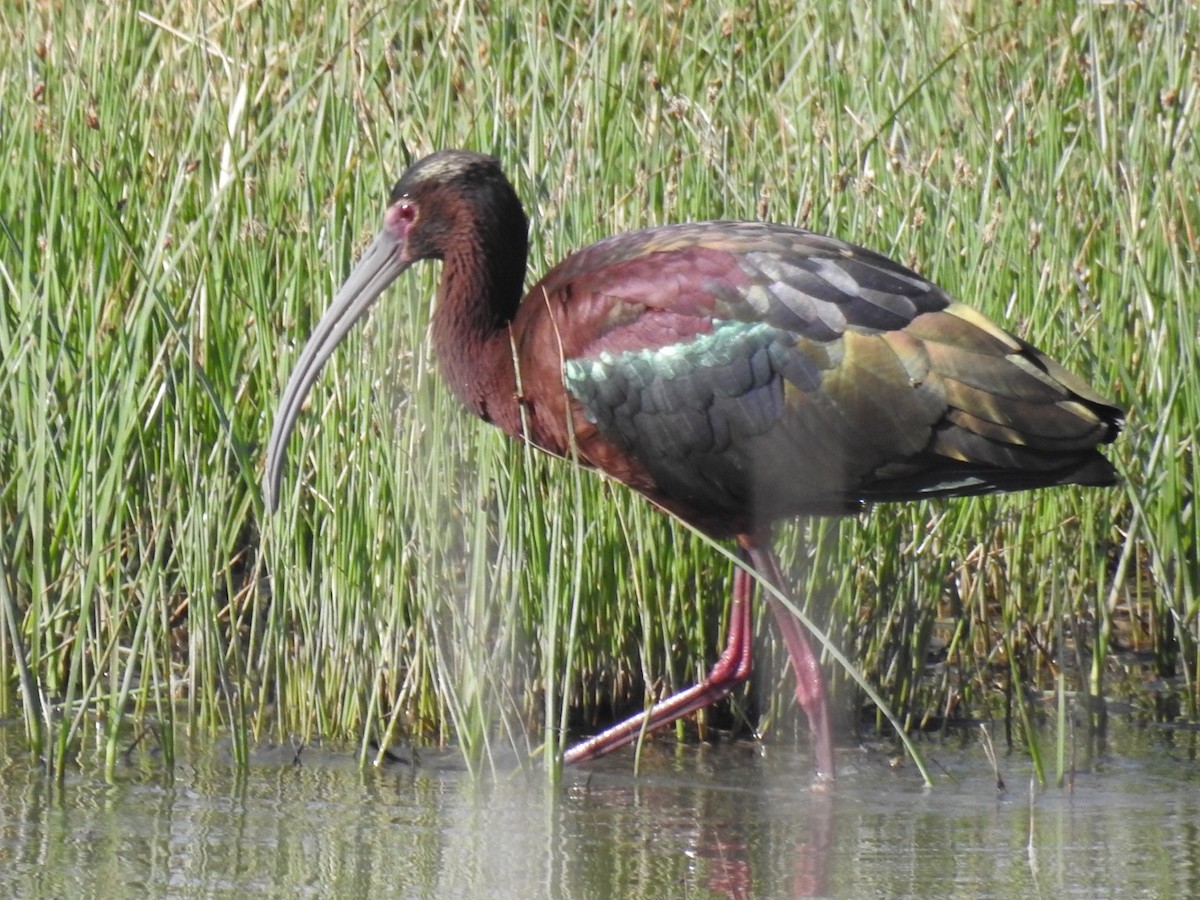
[[729, 821], [702, 824]]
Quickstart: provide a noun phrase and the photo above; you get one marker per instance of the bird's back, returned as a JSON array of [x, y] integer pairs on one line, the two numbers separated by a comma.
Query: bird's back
[[740, 372]]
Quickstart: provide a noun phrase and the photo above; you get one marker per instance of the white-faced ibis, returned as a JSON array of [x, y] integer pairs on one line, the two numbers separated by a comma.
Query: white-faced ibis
[[735, 373]]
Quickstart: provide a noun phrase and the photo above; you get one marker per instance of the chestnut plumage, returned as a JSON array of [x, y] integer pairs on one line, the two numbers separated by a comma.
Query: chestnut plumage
[[735, 373]]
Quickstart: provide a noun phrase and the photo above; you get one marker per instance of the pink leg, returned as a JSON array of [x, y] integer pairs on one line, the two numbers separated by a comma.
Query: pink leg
[[810, 680], [731, 670]]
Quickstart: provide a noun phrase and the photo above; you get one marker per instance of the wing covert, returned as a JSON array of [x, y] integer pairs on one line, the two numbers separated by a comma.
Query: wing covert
[[757, 370]]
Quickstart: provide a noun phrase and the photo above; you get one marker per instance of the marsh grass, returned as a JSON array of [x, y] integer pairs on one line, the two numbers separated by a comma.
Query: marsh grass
[[181, 192]]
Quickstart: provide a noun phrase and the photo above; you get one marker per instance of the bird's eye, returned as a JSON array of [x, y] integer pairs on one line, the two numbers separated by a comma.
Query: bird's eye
[[406, 210]]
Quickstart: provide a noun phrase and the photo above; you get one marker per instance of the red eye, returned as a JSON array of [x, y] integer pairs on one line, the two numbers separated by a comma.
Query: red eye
[[400, 216]]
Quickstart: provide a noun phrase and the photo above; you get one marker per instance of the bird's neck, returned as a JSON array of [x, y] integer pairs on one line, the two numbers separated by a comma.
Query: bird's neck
[[477, 300]]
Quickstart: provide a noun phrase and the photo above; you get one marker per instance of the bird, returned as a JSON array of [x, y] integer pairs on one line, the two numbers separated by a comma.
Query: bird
[[736, 374]]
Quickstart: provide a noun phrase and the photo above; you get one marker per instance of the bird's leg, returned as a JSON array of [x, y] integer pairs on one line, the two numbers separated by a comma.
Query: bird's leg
[[810, 680], [731, 670]]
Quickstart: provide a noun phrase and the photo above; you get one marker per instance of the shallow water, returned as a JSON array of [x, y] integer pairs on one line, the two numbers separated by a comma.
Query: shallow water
[[728, 821]]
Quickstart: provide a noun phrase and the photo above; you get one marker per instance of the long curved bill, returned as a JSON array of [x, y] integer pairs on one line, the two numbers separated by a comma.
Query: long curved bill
[[378, 267]]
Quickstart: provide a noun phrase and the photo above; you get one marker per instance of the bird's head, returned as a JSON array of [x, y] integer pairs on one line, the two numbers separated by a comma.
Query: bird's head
[[450, 201]]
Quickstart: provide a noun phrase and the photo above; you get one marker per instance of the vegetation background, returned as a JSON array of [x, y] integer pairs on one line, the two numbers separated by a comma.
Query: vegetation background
[[184, 184]]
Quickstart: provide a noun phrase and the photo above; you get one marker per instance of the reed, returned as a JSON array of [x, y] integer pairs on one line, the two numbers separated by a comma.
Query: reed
[[181, 192]]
